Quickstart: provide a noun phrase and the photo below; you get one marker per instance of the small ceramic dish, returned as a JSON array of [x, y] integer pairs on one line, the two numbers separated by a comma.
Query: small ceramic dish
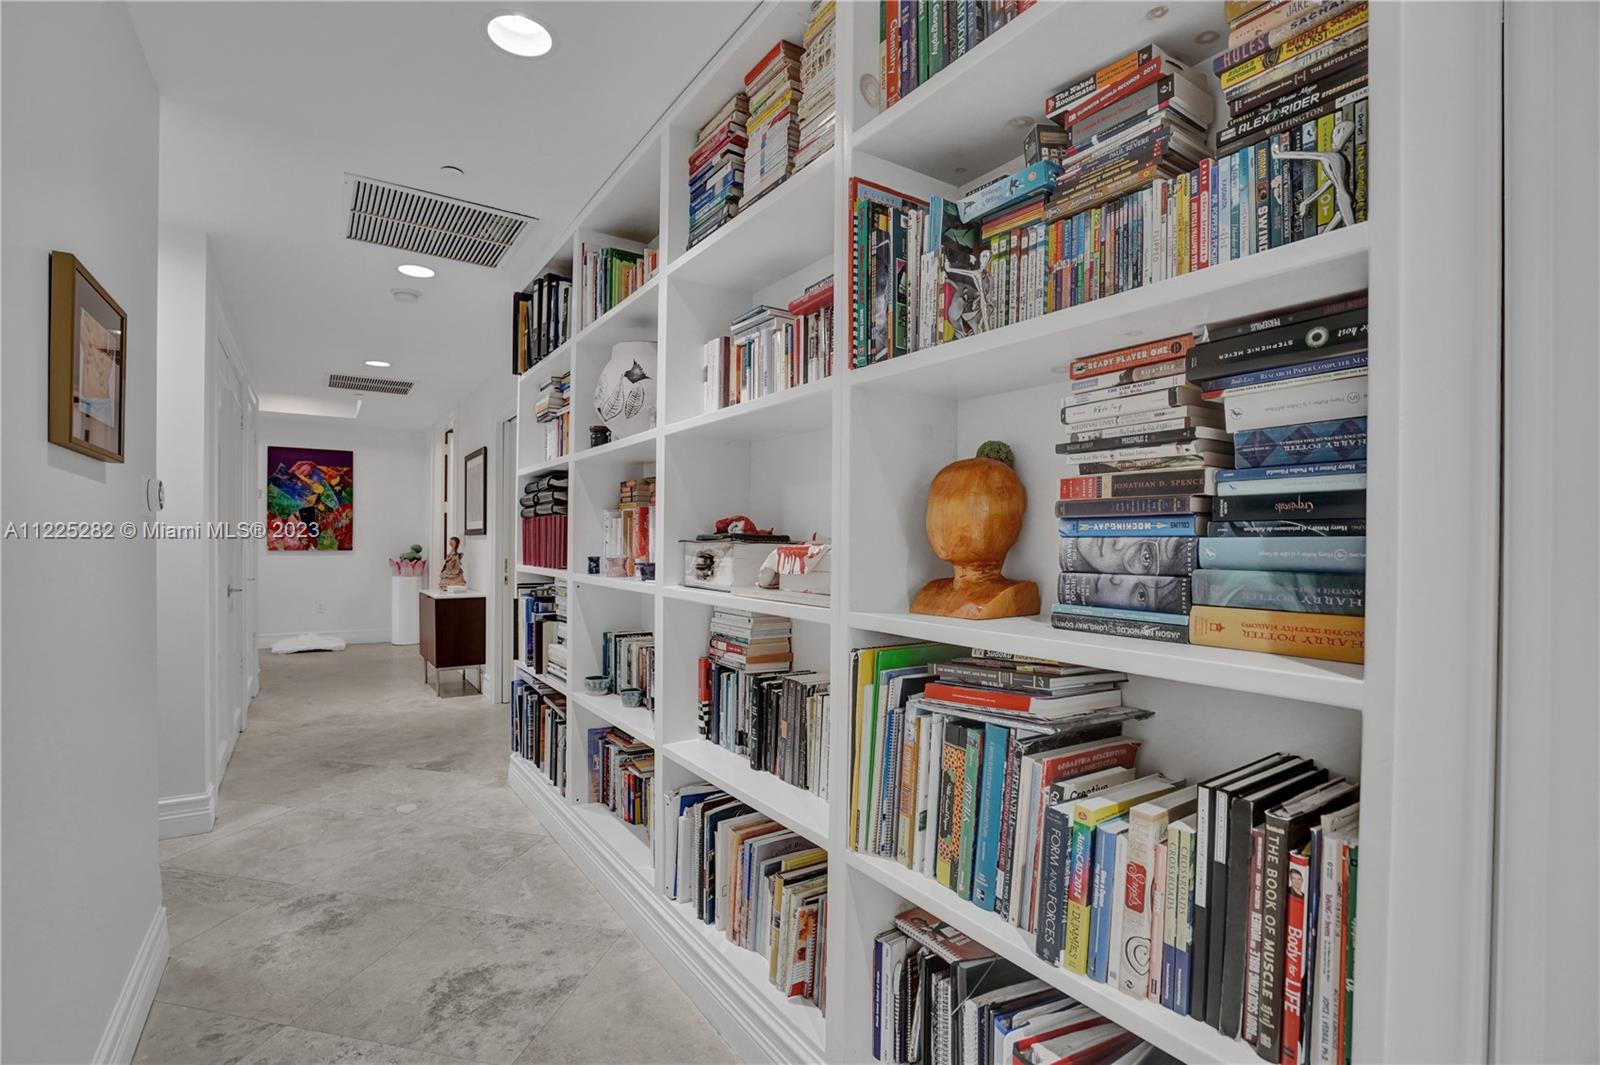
[[632, 697], [596, 683]]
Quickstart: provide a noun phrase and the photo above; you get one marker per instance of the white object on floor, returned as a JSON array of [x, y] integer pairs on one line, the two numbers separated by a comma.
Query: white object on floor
[[307, 641], [403, 619]]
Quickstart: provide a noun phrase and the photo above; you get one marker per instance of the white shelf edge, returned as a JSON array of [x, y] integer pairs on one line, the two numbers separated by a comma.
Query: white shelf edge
[[561, 352], [783, 802], [1329, 683], [1189, 1040], [631, 442], [624, 584], [636, 721], [618, 312], [544, 571], [726, 417], [750, 1017], [544, 467], [808, 612]]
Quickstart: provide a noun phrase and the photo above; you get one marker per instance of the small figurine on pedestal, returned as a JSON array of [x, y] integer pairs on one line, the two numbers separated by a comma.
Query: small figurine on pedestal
[[451, 575], [974, 517]]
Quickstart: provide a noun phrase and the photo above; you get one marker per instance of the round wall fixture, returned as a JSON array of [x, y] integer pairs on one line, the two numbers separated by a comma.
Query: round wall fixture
[[520, 35], [405, 295]]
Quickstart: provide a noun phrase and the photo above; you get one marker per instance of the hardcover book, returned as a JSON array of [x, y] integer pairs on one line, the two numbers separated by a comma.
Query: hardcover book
[[1341, 440], [1304, 554], [1154, 556], [1332, 637], [1163, 595]]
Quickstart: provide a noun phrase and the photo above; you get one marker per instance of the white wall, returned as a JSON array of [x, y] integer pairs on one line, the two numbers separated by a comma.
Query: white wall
[[195, 351], [391, 487], [80, 900], [477, 423]]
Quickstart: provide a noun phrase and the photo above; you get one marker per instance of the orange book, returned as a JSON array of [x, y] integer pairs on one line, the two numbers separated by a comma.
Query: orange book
[[1332, 637], [1163, 350]]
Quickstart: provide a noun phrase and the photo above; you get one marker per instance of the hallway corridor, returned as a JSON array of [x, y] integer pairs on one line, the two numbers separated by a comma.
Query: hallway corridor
[[373, 892]]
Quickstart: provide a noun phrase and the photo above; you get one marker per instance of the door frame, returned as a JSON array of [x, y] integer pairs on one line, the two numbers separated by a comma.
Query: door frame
[[503, 517]]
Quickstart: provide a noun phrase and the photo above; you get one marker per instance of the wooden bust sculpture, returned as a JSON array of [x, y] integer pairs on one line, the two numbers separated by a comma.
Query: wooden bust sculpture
[[975, 511], [451, 575]]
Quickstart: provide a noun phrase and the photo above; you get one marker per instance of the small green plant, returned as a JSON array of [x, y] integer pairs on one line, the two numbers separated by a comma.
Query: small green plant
[[999, 451], [412, 553]]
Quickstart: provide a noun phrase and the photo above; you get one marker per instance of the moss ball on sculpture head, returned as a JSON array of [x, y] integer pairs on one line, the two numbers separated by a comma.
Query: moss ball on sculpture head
[[975, 509]]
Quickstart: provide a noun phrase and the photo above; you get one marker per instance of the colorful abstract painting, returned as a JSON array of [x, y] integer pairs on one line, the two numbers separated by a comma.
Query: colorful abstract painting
[[310, 499]]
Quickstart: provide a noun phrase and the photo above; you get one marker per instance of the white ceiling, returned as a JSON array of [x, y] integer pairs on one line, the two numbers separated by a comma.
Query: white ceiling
[[267, 105]]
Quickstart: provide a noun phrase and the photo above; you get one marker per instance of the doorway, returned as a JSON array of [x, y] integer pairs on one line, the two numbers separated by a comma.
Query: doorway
[[233, 472], [505, 520]]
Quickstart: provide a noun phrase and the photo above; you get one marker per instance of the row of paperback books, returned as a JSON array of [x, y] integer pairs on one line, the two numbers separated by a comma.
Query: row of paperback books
[[539, 729], [1119, 191], [628, 533], [542, 627], [772, 349], [1011, 784], [1224, 502], [942, 998], [622, 774], [610, 275], [753, 701], [553, 410], [762, 885], [628, 663], [540, 321], [716, 168], [919, 38], [543, 508]]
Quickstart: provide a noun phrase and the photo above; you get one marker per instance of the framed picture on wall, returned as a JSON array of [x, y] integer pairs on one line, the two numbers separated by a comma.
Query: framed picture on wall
[[311, 499], [88, 362], [475, 493]]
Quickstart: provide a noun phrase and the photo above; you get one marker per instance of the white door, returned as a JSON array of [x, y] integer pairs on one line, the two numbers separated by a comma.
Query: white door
[[230, 565]]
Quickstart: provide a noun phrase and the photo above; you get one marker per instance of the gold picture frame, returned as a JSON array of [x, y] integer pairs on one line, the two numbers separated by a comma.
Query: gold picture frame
[[88, 362]]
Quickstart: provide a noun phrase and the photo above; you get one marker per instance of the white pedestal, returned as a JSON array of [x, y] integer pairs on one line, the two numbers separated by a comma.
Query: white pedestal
[[403, 609]]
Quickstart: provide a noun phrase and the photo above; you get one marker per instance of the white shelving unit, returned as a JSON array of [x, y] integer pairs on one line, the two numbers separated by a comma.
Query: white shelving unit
[[850, 458]]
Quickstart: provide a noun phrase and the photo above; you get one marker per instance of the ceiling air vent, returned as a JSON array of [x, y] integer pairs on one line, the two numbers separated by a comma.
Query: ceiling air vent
[[426, 223], [369, 384]]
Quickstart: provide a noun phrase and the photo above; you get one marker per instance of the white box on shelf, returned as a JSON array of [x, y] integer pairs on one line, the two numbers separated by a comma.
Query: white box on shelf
[[724, 564]]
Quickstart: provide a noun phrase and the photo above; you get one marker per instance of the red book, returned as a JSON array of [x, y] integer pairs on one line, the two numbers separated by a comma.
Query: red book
[[891, 51], [1295, 944], [1019, 1049], [812, 302]]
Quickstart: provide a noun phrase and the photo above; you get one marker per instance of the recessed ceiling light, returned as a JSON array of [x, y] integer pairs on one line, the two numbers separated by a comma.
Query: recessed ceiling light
[[520, 35], [452, 169], [377, 362], [413, 270]]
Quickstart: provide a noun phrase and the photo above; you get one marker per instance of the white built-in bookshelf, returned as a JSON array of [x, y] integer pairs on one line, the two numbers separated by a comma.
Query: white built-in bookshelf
[[850, 458]]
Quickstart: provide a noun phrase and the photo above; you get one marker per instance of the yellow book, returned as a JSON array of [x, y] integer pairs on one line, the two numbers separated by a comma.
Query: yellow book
[[1086, 814], [1334, 637], [863, 733]]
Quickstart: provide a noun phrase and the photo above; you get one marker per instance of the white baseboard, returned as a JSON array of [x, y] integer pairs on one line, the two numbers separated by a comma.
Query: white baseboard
[[127, 1019], [187, 815], [740, 1011], [265, 640]]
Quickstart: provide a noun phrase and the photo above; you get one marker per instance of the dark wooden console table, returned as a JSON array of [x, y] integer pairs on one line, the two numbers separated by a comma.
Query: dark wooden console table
[[451, 635]]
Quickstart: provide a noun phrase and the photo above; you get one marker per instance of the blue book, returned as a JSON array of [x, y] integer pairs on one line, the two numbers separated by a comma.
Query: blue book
[[991, 788], [1304, 554], [1103, 902], [1352, 361], [1298, 482], [1315, 469], [1331, 440], [1186, 525]]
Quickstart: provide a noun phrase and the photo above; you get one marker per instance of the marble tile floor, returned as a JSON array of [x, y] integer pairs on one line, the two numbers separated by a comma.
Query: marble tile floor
[[374, 893]]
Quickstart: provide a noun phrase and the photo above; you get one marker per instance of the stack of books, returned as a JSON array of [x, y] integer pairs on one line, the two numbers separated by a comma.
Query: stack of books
[[539, 729], [1145, 446], [752, 701], [1284, 567], [817, 75], [543, 508], [611, 275], [541, 321], [628, 661], [774, 88], [1124, 127], [628, 534], [764, 886], [553, 410], [622, 776], [716, 169], [1294, 79], [916, 40], [942, 992]]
